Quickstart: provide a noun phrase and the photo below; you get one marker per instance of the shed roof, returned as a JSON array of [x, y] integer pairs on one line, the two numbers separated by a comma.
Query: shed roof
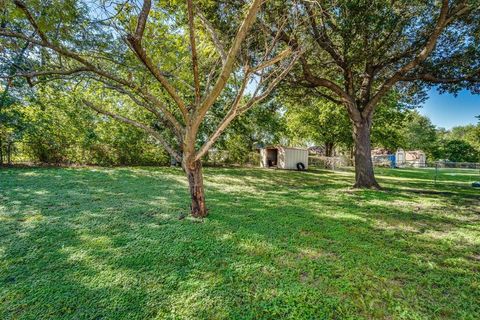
[[284, 147]]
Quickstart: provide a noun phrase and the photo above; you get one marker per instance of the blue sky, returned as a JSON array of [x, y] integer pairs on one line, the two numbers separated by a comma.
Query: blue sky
[[447, 111]]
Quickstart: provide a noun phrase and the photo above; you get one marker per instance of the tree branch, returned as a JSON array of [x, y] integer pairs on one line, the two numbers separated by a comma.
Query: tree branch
[[313, 80], [462, 9], [213, 35], [328, 97], [48, 73], [135, 42], [142, 19], [428, 77], [323, 40], [272, 85], [193, 48], [162, 115], [231, 114], [236, 109], [89, 66], [229, 63], [137, 124], [31, 19], [67, 53], [322, 82], [282, 55], [424, 53], [367, 82]]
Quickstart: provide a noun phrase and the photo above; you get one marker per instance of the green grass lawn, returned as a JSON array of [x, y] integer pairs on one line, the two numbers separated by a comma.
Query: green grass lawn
[[95, 243]]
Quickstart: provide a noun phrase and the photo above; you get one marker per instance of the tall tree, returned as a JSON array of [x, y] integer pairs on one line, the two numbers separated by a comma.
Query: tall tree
[[389, 120], [356, 52], [315, 119], [168, 59], [12, 123], [318, 121], [420, 134]]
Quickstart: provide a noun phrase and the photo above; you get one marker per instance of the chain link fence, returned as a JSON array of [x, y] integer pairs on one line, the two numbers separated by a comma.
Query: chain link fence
[[330, 163], [456, 173], [447, 173]]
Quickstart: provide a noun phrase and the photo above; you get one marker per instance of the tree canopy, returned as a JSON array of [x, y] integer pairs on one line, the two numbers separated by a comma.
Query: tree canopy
[[357, 52], [164, 58]]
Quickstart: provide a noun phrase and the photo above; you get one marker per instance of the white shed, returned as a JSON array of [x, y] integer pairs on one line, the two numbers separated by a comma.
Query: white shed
[[284, 157]]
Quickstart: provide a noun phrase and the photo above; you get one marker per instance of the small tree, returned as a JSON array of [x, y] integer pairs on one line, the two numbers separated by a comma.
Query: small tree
[[153, 56], [356, 52]]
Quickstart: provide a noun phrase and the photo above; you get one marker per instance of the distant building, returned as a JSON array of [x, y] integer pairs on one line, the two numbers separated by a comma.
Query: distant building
[[411, 158], [401, 158], [383, 157], [380, 152]]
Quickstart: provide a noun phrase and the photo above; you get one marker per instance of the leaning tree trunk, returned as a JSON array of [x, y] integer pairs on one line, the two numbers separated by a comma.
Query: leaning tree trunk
[[197, 193], [364, 176]]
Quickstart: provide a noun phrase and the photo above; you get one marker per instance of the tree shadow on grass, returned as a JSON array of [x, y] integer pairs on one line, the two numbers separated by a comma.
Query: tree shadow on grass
[[380, 261], [107, 244]]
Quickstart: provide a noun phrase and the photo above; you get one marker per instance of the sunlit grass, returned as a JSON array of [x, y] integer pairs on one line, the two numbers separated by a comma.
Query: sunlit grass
[[108, 244]]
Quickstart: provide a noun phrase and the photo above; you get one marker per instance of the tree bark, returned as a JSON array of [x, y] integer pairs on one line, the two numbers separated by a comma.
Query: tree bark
[[1, 152], [9, 153], [195, 181], [329, 149], [364, 175]]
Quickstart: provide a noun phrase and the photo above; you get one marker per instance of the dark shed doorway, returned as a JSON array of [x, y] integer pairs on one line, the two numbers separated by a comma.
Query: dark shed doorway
[[272, 157]]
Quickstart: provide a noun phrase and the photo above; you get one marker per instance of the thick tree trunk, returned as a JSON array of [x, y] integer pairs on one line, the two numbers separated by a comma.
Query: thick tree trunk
[[197, 193], [364, 176], [329, 149], [9, 153]]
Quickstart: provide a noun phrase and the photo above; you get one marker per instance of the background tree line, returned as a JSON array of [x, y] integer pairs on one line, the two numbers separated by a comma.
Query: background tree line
[[49, 128], [188, 73]]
